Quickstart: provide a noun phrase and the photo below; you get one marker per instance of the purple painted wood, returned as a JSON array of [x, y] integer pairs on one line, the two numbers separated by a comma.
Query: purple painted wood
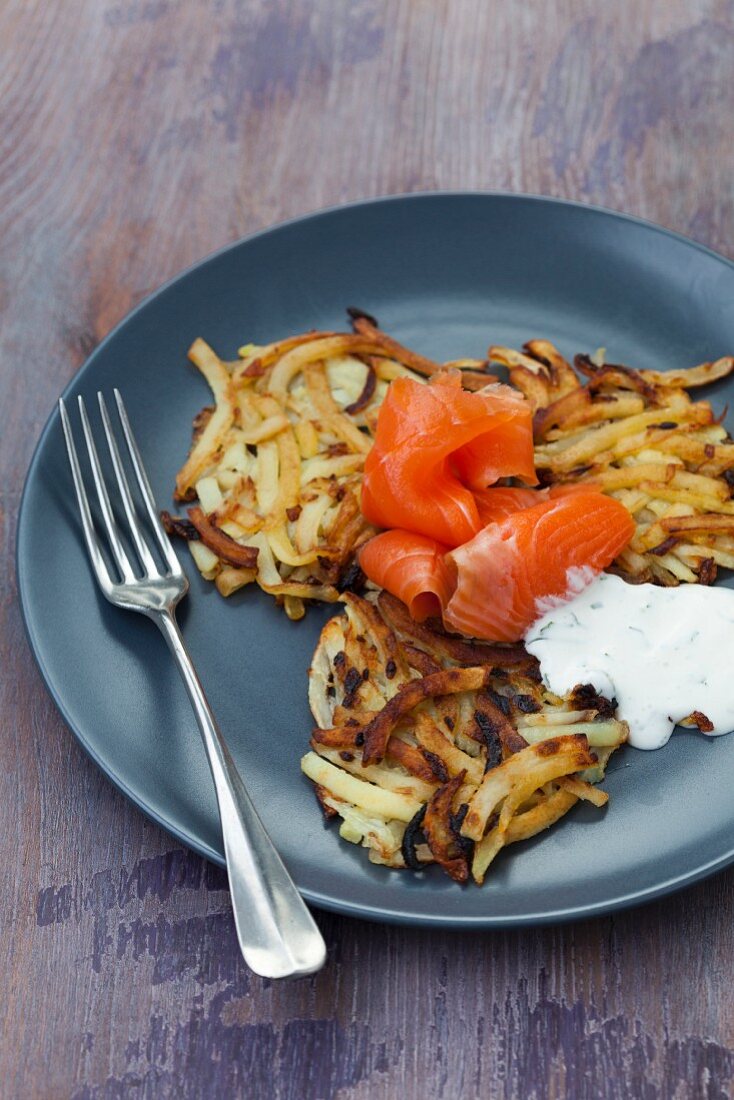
[[135, 136]]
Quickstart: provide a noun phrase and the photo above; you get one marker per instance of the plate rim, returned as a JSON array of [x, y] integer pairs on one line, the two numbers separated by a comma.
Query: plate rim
[[322, 901]]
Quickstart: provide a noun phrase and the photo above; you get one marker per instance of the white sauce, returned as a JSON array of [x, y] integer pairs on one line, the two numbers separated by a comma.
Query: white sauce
[[661, 652]]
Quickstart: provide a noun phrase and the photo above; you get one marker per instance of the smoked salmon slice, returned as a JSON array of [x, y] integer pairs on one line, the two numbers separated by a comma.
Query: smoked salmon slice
[[411, 566], [501, 580], [437, 444], [506, 575]]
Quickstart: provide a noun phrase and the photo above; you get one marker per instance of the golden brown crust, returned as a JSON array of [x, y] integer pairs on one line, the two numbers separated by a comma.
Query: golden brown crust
[[222, 545], [448, 681], [457, 649], [443, 838]]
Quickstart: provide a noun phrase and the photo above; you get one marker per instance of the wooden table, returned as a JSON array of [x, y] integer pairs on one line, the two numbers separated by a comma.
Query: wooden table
[[136, 136]]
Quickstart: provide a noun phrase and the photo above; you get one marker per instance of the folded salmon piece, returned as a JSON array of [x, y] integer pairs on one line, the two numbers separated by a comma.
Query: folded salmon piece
[[497, 584], [412, 567], [436, 445], [508, 573]]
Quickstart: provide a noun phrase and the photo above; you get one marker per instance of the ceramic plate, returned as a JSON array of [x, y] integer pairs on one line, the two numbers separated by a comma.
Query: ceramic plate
[[447, 274]]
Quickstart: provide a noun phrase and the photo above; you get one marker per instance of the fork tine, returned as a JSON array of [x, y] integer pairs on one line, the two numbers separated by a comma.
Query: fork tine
[[118, 550], [145, 489], [146, 558], [90, 535]]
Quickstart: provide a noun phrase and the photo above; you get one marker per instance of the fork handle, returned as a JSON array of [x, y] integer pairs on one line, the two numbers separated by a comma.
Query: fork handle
[[278, 936]]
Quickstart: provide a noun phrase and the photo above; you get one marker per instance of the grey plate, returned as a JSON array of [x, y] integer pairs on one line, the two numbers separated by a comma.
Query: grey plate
[[447, 274]]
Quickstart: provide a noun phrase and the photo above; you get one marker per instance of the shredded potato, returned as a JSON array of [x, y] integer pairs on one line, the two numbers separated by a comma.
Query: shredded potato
[[276, 465], [637, 436], [434, 750]]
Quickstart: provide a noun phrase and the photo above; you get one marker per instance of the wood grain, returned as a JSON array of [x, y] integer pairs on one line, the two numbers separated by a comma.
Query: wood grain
[[136, 136]]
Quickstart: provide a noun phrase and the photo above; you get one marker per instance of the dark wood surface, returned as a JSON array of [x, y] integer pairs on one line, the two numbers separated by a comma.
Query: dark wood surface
[[136, 136]]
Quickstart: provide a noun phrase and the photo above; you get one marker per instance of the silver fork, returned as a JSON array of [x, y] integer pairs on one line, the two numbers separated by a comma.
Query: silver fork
[[277, 934]]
